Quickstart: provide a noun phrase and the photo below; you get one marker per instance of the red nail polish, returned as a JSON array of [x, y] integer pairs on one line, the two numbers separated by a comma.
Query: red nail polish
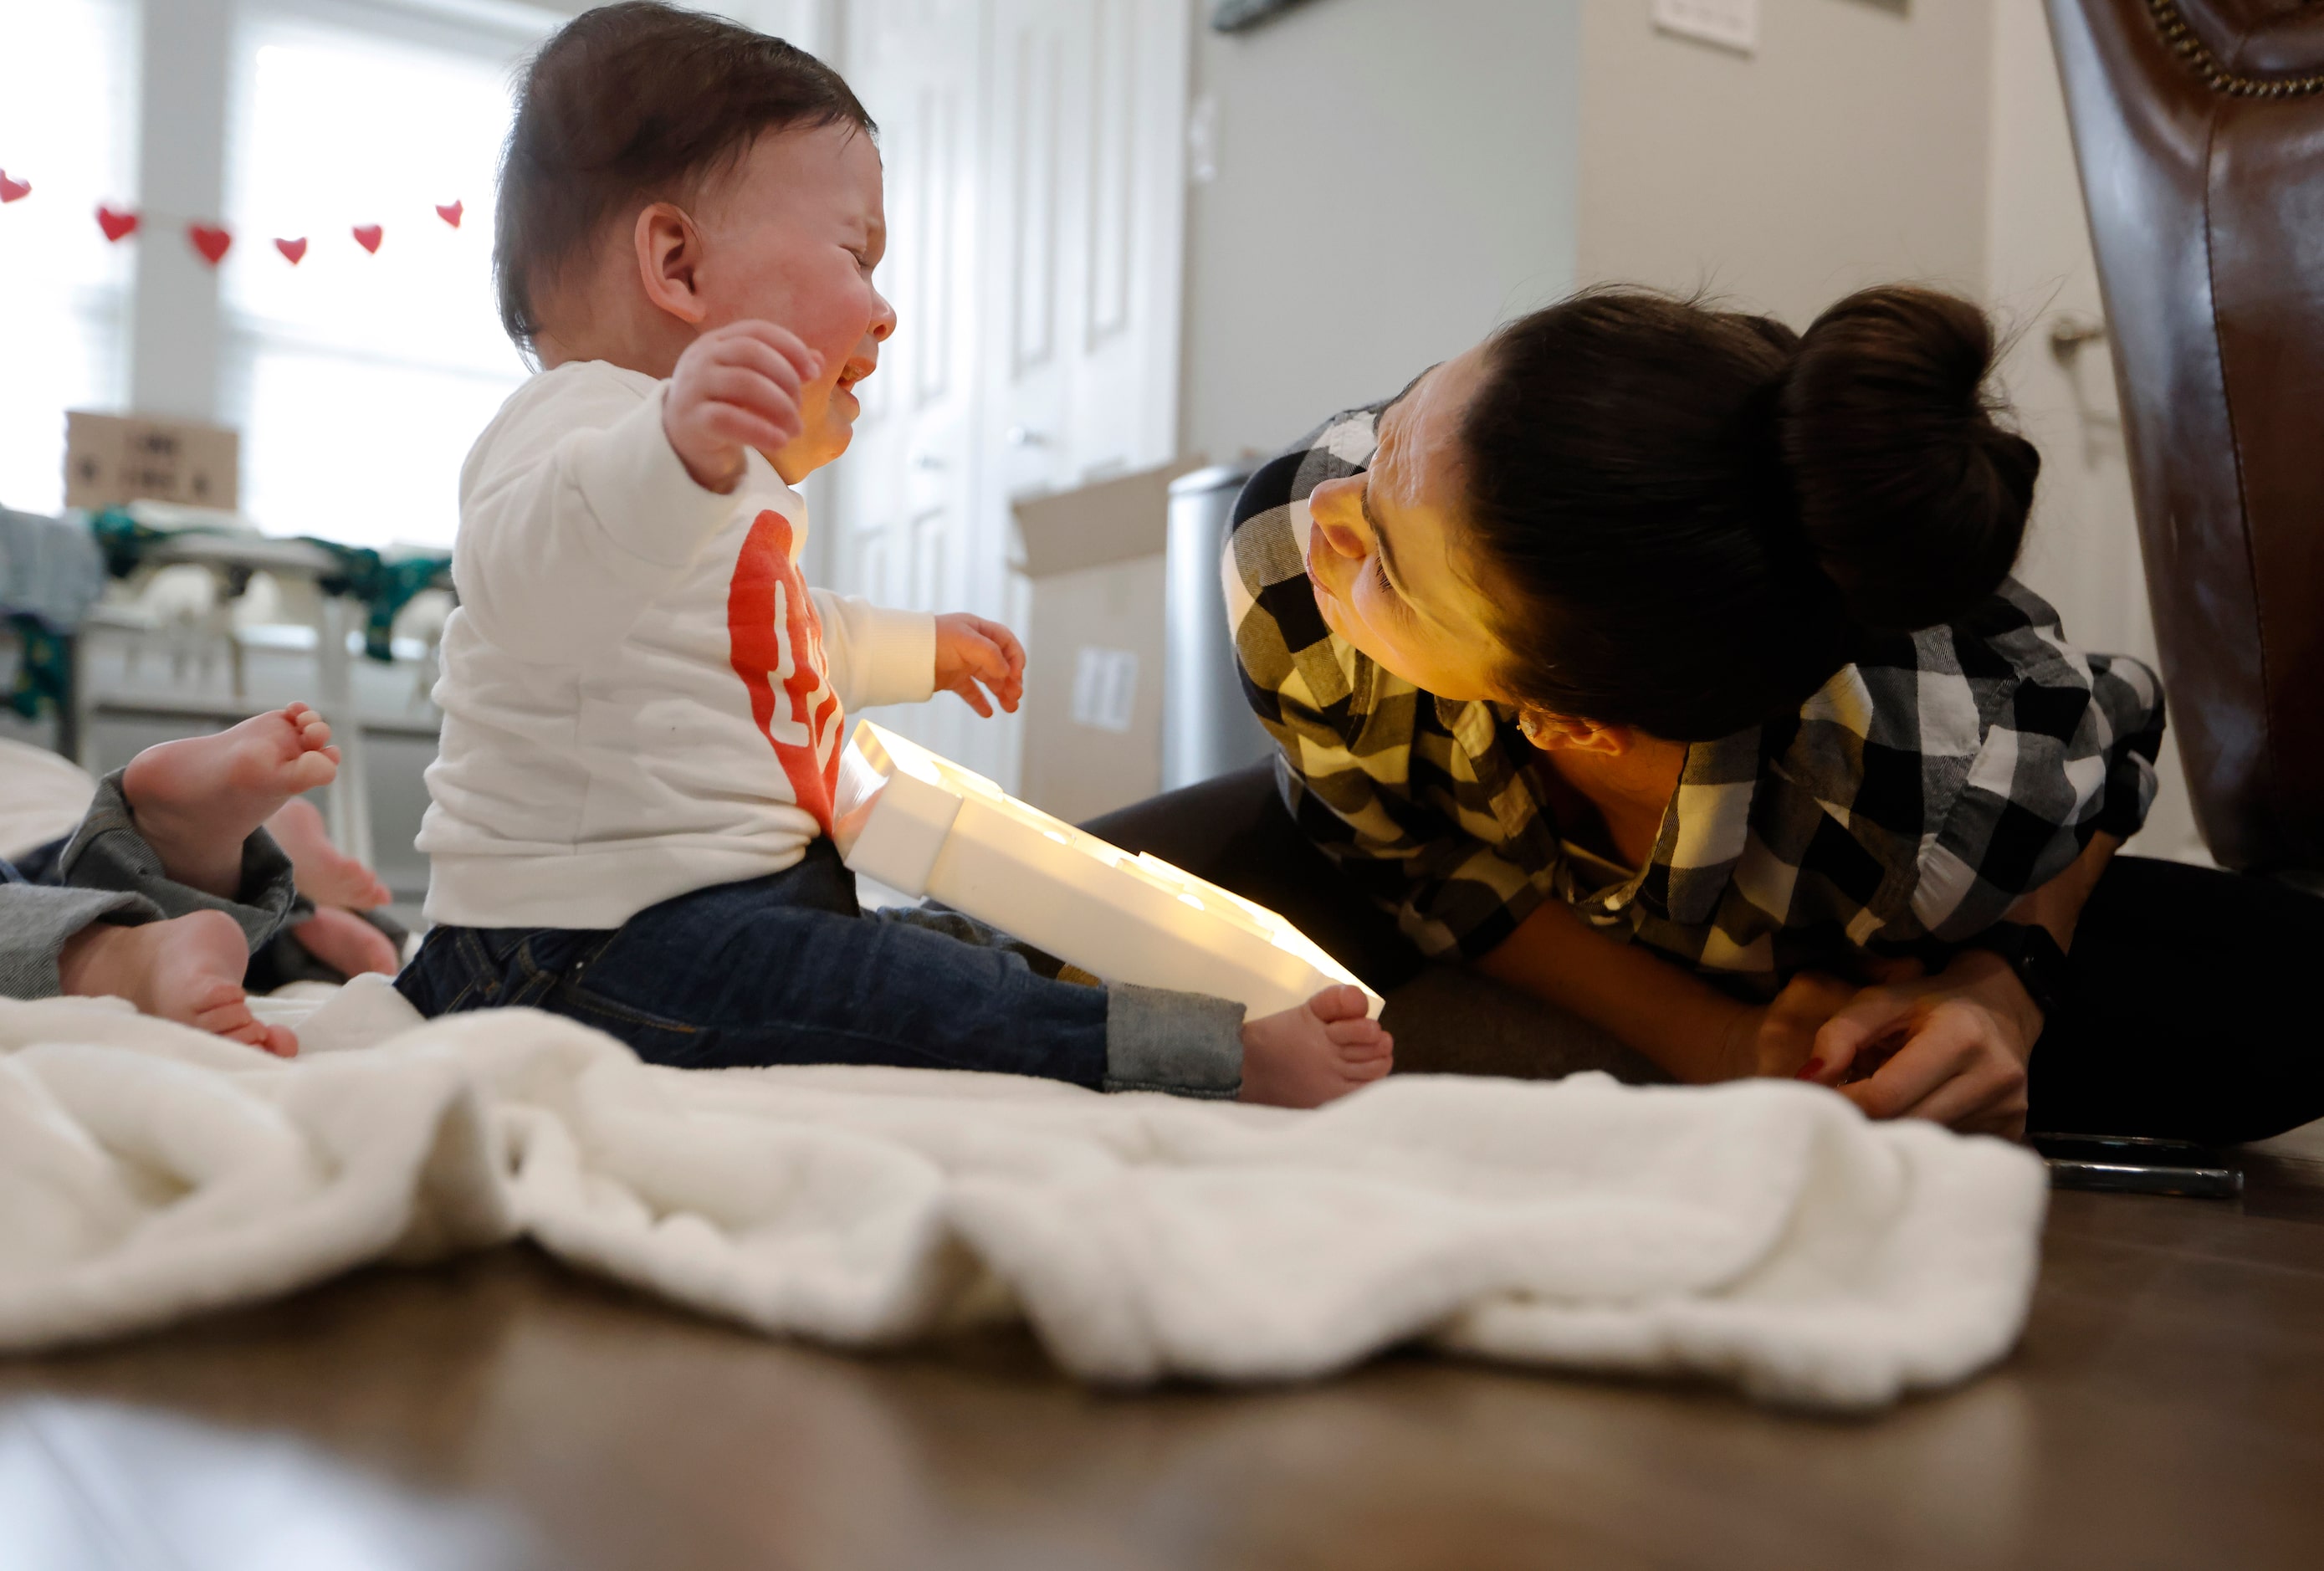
[[1811, 1070]]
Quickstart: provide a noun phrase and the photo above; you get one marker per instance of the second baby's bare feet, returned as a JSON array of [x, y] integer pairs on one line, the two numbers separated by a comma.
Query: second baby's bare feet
[[325, 874], [188, 969], [197, 800], [1308, 1055], [346, 943]]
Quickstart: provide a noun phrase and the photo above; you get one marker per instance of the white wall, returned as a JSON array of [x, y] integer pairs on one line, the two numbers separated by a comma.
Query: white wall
[[173, 355], [814, 25], [1393, 177], [2082, 553], [1849, 148]]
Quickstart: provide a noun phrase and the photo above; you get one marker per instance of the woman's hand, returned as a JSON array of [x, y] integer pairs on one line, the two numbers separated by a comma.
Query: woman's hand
[[1778, 1038], [1951, 1048], [970, 649]]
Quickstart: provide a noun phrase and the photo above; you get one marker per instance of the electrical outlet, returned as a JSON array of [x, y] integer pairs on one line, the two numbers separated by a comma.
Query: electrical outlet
[[1730, 24], [1105, 689]]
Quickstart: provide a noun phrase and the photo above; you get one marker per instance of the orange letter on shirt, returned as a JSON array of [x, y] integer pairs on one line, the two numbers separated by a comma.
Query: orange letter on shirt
[[777, 640]]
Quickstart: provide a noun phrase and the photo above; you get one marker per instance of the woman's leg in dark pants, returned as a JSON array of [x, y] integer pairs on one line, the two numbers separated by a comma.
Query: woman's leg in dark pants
[[1446, 1019], [2186, 1011]]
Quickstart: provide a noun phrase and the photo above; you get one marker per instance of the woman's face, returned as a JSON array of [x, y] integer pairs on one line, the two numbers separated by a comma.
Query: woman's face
[[1382, 552]]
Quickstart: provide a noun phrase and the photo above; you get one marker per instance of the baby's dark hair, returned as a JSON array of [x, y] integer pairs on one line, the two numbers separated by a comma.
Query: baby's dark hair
[[631, 103], [1694, 517]]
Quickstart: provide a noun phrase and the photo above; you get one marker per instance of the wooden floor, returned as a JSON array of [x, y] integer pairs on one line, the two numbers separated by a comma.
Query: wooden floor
[[2166, 1409]]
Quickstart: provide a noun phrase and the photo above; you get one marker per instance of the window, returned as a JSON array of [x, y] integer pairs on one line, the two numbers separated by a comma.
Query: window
[[359, 380], [67, 124]]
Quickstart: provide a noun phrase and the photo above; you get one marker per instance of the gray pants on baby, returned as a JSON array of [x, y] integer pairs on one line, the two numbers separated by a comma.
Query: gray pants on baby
[[109, 874]]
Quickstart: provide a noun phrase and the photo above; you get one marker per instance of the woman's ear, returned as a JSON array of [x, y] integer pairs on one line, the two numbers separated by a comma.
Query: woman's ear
[[1566, 733], [670, 251]]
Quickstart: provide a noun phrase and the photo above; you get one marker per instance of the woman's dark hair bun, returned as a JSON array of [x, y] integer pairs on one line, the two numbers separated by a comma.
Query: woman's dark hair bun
[[1690, 518], [1913, 497]]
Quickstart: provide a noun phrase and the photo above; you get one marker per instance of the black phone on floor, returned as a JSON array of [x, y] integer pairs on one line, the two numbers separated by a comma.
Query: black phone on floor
[[2133, 1165]]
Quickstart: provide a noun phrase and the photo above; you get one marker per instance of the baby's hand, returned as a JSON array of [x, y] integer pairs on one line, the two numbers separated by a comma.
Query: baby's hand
[[736, 387], [970, 650]]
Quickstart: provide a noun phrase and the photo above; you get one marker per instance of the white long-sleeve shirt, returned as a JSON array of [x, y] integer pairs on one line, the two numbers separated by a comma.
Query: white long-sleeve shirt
[[642, 696]]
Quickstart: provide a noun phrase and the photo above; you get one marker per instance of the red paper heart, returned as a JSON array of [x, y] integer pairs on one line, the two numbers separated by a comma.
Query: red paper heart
[[293, 251], [13, 190], [368, 236], [210, 240], [450, 213], [116, 225]]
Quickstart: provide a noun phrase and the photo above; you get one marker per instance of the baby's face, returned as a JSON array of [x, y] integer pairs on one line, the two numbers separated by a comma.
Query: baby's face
[[790, 236]]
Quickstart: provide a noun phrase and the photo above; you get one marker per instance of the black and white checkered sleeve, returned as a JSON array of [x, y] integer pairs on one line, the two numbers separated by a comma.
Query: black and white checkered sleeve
[[2065, 751], [1370, 773], [1451, 892]]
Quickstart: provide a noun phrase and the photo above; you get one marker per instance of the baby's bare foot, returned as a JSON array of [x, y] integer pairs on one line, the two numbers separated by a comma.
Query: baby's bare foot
[[1308, 1055], [188, 969], [346, 943], [326, 874], [195, 801]]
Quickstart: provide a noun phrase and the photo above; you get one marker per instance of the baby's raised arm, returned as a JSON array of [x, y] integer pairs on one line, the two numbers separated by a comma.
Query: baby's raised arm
[[575, 513], [735, 388]]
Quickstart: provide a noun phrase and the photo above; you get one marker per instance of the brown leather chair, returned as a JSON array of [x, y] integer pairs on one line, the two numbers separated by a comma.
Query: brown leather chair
[[2200, 127]]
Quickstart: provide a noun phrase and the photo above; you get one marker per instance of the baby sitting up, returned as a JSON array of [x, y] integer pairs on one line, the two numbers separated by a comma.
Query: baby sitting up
[[171, 882], [644, 703]]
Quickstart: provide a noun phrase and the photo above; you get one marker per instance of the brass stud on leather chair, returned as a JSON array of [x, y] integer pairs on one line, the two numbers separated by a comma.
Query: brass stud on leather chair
[[2199, 129]]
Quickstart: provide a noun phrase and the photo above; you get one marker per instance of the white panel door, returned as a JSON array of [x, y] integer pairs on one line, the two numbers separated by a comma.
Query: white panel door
[[1085, 184], [902, 511], [1035, 213], [1084, 252]]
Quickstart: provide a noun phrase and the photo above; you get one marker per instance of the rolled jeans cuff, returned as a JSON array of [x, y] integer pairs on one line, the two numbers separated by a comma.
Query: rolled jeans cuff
[[108, 852], [37, 920], [1185, 1043]]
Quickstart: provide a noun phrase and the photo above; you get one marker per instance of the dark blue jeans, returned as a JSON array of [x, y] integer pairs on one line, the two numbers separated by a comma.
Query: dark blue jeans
[[785, 969]]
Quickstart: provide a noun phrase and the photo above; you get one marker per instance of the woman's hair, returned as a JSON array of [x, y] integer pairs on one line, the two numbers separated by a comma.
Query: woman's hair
[[1693, 517], [635, 103]]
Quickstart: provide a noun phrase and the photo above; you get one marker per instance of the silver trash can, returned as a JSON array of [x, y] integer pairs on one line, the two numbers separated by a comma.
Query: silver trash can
[[1207, 727]]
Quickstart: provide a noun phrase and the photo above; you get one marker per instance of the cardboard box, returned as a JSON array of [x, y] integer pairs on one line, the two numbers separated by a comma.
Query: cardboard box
[[1092, 725], [112, 460]]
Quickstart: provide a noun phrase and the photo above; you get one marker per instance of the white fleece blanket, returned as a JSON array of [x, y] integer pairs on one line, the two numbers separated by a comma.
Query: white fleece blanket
[[1760, 1234]]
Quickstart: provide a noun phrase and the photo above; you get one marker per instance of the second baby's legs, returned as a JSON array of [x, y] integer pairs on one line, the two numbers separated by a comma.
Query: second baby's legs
[[177, 832], [197, 800], [188, 969]]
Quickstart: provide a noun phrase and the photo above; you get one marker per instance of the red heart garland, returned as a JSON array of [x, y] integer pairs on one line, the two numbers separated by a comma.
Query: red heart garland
[[117, 227], [210, 240], [450, 213], [293, 251], [17, 190], [368, 236]]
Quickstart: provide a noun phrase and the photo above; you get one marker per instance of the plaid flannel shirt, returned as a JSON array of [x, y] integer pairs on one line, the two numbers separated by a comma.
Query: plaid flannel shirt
[[1908, 804]]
